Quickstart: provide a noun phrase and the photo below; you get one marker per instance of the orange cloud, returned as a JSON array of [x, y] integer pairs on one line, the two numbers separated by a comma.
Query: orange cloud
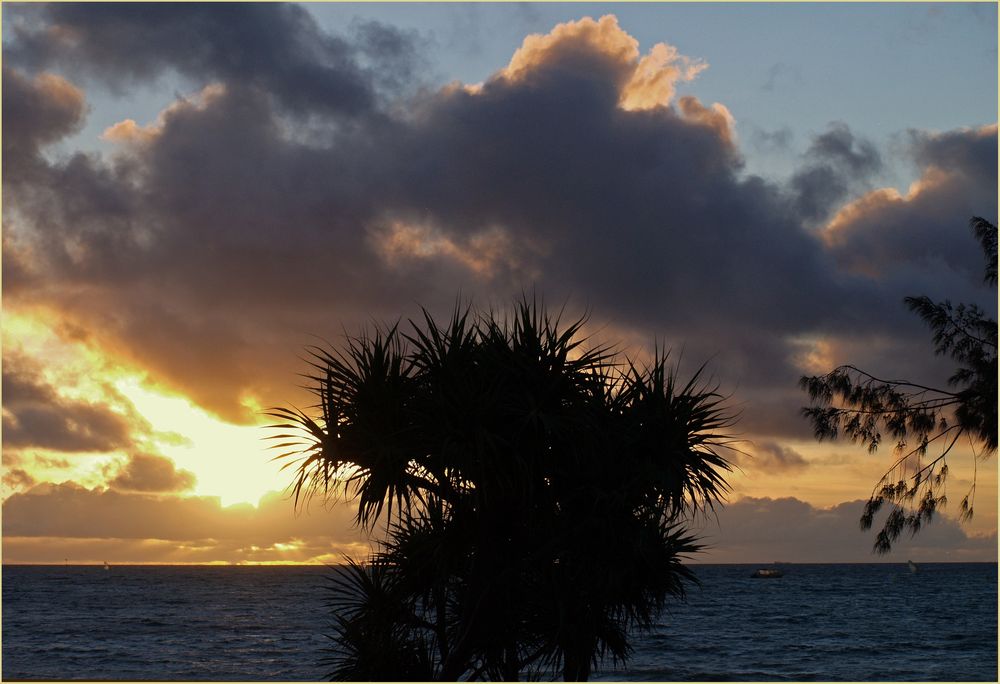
[[874, 201], [652, 83], [715, 117], [129, 132], [483, 253], [60, 92], [646, 82], [605, 35]]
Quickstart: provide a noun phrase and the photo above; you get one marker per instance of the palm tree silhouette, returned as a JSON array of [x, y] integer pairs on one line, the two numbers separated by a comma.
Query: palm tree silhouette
[[533, 493]]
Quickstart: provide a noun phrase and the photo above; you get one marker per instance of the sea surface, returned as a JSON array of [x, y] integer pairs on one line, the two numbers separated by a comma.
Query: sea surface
[[876, 622]]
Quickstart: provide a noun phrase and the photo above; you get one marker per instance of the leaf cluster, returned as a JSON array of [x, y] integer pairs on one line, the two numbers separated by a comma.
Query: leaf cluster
[[532, 490]]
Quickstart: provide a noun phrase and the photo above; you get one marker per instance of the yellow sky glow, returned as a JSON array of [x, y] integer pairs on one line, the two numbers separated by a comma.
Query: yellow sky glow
[[230, 461], [233, 462]]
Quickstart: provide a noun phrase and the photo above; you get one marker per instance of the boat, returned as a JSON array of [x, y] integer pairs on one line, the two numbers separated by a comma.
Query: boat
[[913, 566], [106, 566], [765, 573]]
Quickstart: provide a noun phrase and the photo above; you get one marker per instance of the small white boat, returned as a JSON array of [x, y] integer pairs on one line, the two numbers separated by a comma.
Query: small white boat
[[106, 566], [913, 566], [764, 573]]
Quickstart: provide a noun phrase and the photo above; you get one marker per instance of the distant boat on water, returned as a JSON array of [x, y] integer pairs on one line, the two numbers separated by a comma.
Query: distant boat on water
[[765, 573], [913, 566], [106, 566]]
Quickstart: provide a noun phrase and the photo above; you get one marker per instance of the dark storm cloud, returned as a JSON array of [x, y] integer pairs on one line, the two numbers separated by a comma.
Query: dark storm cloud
[[643, 212], [35, 415], [215, 241], [837, 162], [275, 47], [151, 473]]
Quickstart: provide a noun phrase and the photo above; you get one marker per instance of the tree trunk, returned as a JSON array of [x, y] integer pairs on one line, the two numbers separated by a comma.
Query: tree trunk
[[455, 664], [511, 665], [440, 600], [576, 666]]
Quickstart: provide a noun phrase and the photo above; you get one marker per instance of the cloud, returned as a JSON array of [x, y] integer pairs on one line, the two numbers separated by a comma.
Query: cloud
[[392, 58], [888, 235], [765, 141], [400, 242], [764, 530], [836, 163], [148, 216], [54, 521], [772, 457], [972, 151], [16, 478], [782, 76], [278, 49], [36, 112], [51, 522], [642, 83], [151, 473], [208, 246], [56, 550], [716, 118], [36, 415]]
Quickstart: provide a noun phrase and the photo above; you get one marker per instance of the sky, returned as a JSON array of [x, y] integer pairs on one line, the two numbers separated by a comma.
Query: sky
[[192, 194]]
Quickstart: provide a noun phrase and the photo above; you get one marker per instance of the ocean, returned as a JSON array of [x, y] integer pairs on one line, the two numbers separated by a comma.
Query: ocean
[[864, 622]]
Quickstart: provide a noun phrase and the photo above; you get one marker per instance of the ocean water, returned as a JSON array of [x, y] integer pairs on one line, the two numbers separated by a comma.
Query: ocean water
[[876, 622]]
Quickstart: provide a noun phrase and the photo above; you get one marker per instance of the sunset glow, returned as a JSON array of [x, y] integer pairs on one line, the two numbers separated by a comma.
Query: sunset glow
[[181, 224], [229, 461]]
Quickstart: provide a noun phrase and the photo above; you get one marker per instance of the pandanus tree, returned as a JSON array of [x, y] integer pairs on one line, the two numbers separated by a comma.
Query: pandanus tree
[[529, 495]]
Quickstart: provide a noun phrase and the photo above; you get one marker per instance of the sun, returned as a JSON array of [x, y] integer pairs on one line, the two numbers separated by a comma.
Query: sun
[[230, 461]]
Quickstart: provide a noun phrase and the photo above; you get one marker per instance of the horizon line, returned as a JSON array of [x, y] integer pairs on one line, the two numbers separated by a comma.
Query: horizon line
[[223, 564]]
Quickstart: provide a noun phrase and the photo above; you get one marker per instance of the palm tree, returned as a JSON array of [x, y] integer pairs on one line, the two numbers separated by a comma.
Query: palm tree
[[533, 493]]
